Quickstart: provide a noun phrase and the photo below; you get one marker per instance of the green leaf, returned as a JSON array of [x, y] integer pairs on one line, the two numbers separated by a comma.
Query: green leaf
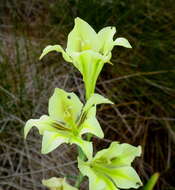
[[64, 107], [122, 42], [55, 183], [58, 49], [152, 182]]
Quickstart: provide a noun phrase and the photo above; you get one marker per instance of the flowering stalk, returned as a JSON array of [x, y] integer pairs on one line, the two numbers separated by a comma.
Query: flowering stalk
[[68, 119]]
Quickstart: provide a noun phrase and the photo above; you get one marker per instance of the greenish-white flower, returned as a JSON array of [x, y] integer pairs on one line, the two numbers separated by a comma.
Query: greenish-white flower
[[88, 50], [68, 119], [111, 168], [55, 183]]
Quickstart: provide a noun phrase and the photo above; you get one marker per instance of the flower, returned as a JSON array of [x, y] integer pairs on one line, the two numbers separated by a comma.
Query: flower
[[55, 183], [68, 119], [88, 51], [111, 168]]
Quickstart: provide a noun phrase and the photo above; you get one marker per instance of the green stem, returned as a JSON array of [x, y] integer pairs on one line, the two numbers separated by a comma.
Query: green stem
[[79, 180], [152, 182], [82, 156], [80, 176]]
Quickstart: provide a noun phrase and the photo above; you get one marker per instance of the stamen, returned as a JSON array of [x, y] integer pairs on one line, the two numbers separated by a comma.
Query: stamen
[[59, 126]]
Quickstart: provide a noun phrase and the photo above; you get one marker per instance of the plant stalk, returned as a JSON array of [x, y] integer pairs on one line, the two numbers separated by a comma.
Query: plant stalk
[[83, 157]]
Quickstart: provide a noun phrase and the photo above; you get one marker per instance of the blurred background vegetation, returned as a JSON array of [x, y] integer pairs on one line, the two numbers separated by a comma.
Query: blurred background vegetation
[[140, 82]]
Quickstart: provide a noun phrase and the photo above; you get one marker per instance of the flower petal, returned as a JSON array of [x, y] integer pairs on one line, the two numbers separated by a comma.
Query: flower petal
[[126, 153], [64, 107], [105, 36], [91, 124], [112, 175], [51, 140], [82, 37], [56, 48], [86, 146], [120, 154], [67, 186], [125, 177], [122, 42], [95, 99], [42, 124], [97, 180], [55, 183], [90, 64], [94, 181]]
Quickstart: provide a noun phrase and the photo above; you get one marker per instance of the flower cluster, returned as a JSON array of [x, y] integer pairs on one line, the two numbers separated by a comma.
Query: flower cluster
[[68, 118]]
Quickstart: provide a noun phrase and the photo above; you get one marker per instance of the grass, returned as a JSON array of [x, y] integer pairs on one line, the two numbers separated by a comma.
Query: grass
[[141, 83]]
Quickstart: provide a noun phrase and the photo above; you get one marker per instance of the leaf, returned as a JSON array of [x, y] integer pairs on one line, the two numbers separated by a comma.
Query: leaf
[[122, 42], [152, 182], [58, 49]]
